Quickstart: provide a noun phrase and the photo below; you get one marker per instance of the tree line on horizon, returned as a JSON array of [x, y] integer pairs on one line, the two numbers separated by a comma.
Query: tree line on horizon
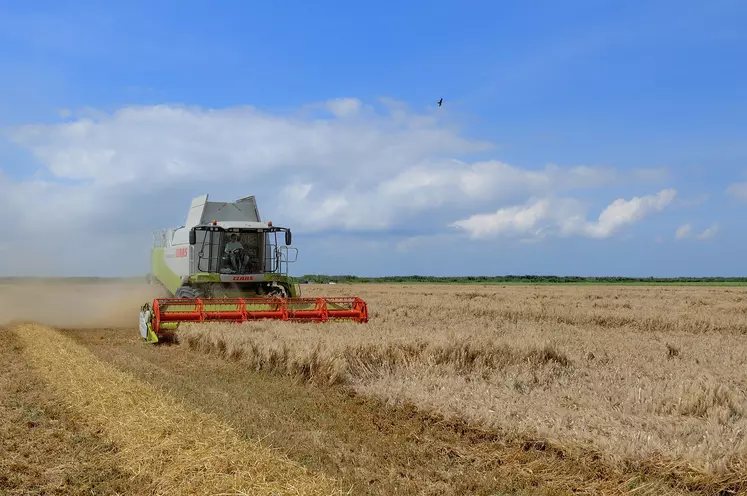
[[507, 279], [322, 278]]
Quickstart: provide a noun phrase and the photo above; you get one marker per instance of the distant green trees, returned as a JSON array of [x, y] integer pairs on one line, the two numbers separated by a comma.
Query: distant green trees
[[524, 279], [510, 279]]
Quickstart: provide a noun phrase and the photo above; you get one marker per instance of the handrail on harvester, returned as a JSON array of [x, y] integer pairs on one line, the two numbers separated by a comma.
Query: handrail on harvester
[[169, 311]]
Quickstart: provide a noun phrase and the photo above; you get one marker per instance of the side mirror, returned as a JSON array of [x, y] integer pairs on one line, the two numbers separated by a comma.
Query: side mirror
[[288, 237], [192, 237]]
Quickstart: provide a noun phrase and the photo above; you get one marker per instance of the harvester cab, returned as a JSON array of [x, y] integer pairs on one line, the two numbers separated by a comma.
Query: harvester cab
[[225, 264], [235, 259]]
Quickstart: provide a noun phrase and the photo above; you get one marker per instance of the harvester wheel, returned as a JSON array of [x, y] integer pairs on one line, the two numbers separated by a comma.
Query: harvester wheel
[[277, 291], [188, 292]]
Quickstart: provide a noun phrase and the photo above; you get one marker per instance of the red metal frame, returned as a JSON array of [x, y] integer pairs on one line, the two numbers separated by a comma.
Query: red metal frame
[[358, 309], [167, 310]]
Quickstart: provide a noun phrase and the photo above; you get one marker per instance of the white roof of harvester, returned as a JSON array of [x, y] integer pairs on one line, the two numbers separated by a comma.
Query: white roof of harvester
[[241, 225], [241, 213]]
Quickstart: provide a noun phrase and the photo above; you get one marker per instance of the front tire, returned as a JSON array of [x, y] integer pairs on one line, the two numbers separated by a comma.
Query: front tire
[[277, 291], [188, 292]]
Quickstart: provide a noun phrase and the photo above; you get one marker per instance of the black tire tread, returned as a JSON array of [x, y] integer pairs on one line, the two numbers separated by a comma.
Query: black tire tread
[[188, 292]]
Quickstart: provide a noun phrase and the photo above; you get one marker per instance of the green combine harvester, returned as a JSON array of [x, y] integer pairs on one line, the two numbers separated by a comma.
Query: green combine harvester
[[226, 265]]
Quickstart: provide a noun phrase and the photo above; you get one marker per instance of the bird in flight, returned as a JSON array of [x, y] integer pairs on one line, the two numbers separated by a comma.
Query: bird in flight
[[440, 101]]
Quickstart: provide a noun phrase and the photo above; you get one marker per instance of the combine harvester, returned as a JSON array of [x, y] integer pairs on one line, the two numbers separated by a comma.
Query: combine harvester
[[225, 265]]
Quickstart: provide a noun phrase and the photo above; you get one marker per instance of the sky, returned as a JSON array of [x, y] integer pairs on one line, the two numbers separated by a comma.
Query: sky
[[585, 137]]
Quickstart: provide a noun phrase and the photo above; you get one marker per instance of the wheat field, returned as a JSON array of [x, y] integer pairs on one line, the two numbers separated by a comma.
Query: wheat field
[[651, 378], [448, 390]]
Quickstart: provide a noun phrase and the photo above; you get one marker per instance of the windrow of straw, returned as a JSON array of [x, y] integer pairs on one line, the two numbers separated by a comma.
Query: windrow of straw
[[171, 449]]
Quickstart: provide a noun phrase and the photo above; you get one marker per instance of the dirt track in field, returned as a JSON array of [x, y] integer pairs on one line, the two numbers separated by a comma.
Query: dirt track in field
[[370, 446]]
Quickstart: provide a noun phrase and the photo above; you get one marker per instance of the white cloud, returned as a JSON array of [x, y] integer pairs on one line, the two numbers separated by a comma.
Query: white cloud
[[621, 213], [357, 170], [738, 191], [426, 186], [686, 231], [683, 231], [186, 143], [343, 107], [115, 176], [510, 220], [564, 217], [709, 232]]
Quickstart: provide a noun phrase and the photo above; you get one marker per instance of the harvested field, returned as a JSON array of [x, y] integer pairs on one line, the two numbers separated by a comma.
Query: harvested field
[[448, 390], [650, 377], [42, 451], [165, 448]]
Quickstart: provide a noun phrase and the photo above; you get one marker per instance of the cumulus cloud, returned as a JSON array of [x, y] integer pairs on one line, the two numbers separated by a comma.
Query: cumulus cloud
[[621, 213], [167, 143], [335, 166], [564, 217], [526, 219], [427, 186]]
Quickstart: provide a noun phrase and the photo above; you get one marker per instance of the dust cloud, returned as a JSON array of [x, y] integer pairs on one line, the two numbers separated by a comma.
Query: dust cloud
[[70, 304]]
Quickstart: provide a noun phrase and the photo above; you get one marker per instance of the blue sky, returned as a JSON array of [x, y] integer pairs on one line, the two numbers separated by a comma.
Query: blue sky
[[326, 111]]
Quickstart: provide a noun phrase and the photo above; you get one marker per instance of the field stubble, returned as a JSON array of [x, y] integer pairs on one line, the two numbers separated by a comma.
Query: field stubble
[[163, 447], [649, 377]]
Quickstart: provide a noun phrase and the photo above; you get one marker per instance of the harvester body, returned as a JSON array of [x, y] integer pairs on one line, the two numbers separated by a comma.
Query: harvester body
[[223, 249], [225, 264]]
